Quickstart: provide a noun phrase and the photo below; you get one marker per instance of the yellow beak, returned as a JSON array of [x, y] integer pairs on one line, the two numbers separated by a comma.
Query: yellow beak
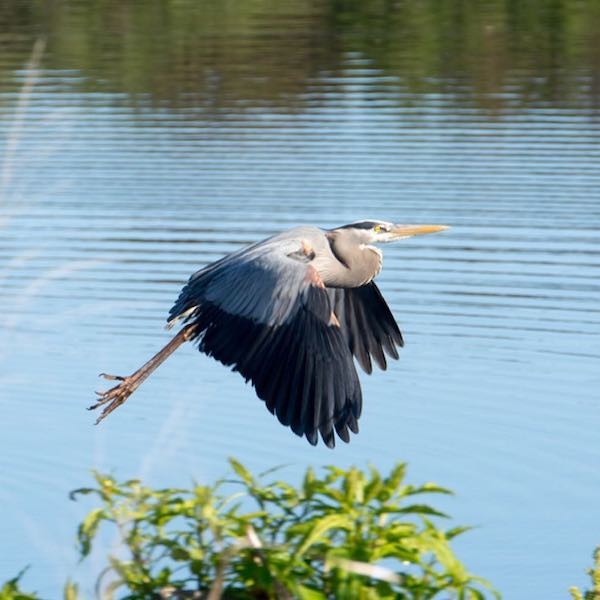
[[404, 231]]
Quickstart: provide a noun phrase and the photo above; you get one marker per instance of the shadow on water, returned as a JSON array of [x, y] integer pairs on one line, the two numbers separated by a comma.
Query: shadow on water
[[147, 139]]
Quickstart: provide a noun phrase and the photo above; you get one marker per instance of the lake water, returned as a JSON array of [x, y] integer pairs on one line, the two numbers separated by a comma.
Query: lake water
[[140, 143]]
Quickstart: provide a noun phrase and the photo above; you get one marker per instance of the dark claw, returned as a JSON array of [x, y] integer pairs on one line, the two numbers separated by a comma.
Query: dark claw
[[114, 397], [112, 377], [102, 415], [99, 403]]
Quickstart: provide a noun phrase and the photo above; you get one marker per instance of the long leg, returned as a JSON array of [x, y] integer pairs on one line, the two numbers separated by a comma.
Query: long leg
[[115, 396]]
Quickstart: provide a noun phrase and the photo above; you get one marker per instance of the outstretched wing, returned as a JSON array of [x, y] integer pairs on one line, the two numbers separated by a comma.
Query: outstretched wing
[[266, 312], [367, 324]]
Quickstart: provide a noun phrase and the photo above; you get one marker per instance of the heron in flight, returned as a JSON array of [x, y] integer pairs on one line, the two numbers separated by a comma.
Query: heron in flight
[[290, 314]]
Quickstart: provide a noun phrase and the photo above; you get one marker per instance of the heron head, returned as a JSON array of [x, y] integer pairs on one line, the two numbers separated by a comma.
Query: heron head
[[379, 232]]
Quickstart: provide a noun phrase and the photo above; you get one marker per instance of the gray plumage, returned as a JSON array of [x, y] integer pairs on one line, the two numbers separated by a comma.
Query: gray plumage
[[290, 314]]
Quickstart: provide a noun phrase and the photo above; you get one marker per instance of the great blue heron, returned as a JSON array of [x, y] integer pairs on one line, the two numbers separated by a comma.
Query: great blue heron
[[289, 313]]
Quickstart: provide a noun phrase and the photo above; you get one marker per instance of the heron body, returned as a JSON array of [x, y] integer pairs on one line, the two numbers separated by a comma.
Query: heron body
[[290, 314]]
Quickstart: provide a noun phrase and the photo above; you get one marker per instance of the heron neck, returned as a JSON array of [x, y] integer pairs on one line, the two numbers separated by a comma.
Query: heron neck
[[355, 265]]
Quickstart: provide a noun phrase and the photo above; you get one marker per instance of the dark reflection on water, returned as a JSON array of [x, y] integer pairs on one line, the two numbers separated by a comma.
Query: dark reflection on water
[[148, 139], [215, 55]]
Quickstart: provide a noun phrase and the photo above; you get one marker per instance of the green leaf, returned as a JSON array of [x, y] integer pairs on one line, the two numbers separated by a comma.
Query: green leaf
[[354, 486], [428, 488], [306, 593], [419, 509], [179, 553], [396, 477], [11, 591], [87, 530], [443, 553], [308, 483], [575, 593], [81, 492], [70, 591], [485, 584], [241, 471], [374, 485], [274, 469], [456, 531], [319, 528], [395, 550]]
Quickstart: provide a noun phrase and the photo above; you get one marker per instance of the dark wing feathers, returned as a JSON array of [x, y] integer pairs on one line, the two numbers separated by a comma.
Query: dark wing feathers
[[367, 323], [289, 368]]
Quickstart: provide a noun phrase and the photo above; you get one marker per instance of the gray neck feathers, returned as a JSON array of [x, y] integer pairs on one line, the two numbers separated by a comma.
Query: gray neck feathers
[[355, 263]]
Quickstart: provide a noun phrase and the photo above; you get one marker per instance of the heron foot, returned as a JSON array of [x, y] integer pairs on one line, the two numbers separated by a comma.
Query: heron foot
[[113, 398]]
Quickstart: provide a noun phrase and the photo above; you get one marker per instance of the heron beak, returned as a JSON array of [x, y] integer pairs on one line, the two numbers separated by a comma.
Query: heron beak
[[406, 231]]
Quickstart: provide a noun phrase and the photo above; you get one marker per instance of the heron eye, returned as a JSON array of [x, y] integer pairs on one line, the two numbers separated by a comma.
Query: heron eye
[[377, 228]]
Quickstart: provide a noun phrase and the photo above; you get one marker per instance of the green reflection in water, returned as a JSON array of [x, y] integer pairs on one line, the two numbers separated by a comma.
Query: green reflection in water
[[218, 54]]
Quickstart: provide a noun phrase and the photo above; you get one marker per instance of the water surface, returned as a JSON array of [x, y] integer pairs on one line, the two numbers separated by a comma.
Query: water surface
[[139, 145]]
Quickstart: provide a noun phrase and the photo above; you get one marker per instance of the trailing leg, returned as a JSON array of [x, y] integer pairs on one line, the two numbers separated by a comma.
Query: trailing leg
[[117, 395]]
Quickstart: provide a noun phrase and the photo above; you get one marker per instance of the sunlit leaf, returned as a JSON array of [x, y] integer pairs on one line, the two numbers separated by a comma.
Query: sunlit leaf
[[70, 591], [354, 486], [308, 482], [305, 593], [420, 509], [373, 487], [428, 488], [456, 531], [241, 471], [87, 530], [396, 477], [320, 527]]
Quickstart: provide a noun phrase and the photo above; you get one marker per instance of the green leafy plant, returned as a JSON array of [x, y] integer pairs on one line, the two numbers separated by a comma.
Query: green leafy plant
[[594, 573], [343, 534], [11, 589]]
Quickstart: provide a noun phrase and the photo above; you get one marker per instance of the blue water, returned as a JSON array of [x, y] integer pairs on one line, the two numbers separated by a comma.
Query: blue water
[[107, 207]]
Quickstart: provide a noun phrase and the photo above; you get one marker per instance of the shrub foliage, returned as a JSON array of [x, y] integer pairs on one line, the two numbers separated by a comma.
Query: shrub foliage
[[343, 534], [594, 592]]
